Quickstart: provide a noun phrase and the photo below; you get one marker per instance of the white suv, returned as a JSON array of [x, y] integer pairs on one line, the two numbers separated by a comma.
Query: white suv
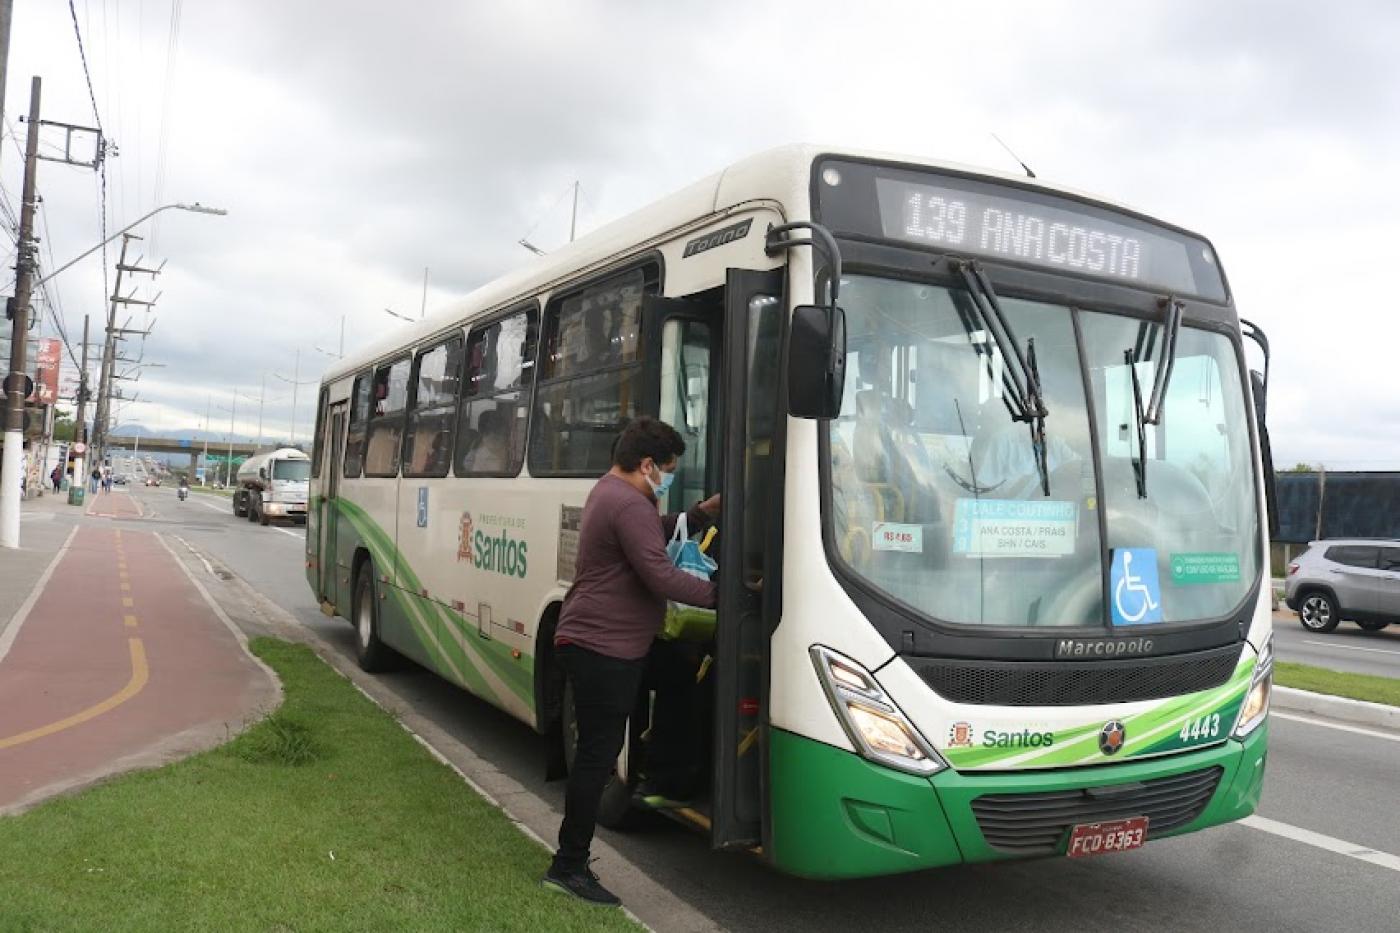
[[1346, 578]]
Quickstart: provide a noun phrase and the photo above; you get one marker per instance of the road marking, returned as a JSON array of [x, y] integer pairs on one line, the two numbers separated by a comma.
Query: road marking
[[127, 602], [1319, 841], [7, 637], [129, 620], [210, 505], [126, 587], [122, 574], [1336, 725], [140, 674], [286, 532], [1329, 644], [189, 547]]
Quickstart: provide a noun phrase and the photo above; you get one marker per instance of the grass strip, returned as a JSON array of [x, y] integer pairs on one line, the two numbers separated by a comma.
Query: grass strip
[[1366, 687], [326, 815]]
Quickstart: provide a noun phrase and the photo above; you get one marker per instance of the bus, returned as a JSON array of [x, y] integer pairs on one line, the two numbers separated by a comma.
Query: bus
[[995, 498]]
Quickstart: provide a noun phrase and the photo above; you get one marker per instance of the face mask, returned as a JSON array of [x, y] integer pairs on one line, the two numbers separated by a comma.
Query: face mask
[[659, 489]]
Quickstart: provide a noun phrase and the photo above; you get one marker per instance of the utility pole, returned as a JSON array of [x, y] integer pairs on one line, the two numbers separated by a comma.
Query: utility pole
[[80, 436], [573, 217], [422, 308], [104, 385], [295, 381], [6, 14], [207, 405], [228, 464], [12, 461]]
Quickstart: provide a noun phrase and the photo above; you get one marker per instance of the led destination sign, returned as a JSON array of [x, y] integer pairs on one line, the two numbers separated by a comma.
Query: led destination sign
[[1036, 233], [981, 217]]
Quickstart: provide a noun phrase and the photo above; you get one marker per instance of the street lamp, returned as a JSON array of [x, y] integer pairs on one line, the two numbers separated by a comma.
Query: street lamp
[[295, 381], [12, 463], [195, 208]]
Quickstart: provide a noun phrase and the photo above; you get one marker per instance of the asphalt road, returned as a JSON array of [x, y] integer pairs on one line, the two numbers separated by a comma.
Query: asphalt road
[[1325, 779], [1345, 648]]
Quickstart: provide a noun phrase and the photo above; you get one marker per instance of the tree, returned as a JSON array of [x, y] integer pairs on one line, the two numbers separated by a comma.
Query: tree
[[1301, 467], [63, 427]]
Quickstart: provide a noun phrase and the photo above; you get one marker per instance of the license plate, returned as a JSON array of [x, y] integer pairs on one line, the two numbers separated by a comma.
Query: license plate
[[1088, 839]]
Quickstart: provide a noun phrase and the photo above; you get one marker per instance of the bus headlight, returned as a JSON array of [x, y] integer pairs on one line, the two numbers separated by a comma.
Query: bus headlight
[[1256, 702], [875, 725]]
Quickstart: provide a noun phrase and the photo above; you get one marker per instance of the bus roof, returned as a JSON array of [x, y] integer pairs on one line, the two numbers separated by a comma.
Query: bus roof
[[781, 174]]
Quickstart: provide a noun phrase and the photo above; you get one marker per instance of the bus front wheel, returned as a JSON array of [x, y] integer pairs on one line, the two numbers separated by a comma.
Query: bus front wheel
[[372, 653]]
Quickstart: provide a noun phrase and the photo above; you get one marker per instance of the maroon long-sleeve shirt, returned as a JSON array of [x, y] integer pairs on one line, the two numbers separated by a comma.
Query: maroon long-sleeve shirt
[[622, 577]]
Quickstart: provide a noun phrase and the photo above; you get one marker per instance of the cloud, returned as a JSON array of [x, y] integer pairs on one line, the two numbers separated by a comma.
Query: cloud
[[354, 148]]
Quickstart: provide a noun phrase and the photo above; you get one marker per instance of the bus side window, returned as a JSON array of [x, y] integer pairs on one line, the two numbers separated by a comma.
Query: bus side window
[[318, 439], [427, 448], [590, 379], [500, 364], [359, 422], [390, 399]]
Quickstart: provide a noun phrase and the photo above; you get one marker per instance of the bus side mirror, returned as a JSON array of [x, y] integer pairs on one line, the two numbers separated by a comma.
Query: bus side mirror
[[1266, 453], [816, 361], [262, 472]]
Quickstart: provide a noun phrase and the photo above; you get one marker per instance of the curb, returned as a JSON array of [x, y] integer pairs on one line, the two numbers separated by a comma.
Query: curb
[[1343, 709]]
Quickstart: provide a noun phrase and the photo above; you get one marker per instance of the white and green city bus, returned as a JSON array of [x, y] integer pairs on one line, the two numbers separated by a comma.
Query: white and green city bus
[[994, 476]]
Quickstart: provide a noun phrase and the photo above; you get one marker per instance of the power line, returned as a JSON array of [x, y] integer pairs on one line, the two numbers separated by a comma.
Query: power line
[[101, 160]]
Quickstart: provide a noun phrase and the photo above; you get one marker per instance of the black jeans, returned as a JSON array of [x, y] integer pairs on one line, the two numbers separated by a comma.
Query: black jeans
[[605, 692]]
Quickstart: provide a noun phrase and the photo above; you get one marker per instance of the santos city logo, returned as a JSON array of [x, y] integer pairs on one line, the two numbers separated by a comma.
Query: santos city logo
[[496, 550]]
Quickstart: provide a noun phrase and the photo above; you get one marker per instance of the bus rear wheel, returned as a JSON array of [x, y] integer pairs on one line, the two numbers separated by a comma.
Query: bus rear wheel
[[370, 652]]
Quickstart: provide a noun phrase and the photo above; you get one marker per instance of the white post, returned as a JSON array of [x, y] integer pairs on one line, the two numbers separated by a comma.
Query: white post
[[296, 374]]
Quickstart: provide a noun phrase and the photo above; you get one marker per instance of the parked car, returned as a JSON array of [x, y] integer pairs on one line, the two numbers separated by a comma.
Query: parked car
[[1346, 578]]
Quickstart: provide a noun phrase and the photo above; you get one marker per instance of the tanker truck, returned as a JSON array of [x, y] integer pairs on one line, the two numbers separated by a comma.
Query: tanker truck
[[273, 486]]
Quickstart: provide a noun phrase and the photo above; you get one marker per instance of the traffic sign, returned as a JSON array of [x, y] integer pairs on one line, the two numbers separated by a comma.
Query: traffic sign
[[80, 448]]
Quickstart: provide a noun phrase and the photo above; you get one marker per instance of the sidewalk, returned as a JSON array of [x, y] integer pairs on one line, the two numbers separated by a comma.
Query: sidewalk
[[114, 661]]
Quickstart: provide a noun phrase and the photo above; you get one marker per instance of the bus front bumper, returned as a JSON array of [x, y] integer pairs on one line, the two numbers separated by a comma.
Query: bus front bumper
[[836, 815]]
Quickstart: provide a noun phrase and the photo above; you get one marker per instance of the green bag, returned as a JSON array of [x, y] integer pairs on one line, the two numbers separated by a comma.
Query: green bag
[[688, 623]]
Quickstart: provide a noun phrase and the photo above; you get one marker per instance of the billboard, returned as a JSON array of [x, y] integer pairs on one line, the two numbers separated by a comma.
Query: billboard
[[47, 359]]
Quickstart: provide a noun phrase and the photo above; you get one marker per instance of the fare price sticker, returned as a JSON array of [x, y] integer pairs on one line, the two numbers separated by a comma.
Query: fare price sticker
[[896, 536], [1014, 528]]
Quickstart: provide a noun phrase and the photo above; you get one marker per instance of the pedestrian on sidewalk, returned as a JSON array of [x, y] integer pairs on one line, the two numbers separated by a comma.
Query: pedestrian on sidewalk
[[95, 478], [57, 477], [106, 479], [610, 617]]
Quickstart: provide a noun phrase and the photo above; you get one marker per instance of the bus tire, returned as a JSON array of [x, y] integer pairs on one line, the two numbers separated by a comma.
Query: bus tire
[[239, 511], [370, 652], [615, 809]]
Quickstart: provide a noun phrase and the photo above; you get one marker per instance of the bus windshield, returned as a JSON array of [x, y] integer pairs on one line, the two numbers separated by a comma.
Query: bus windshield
[[298, 471], [938, 501]]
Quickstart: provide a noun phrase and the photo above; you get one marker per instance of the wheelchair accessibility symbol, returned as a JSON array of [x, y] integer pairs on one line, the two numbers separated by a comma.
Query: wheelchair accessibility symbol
[[1137, 596]]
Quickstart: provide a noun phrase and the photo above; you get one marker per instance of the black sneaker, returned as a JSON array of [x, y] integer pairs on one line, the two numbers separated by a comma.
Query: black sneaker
[[583, 885]]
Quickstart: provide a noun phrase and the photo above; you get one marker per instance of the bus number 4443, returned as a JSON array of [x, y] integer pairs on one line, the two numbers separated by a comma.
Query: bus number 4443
[[1201, 729]]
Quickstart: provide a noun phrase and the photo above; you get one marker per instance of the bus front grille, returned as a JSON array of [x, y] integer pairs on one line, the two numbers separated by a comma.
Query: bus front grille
[[1076, 683], [1038, 824]]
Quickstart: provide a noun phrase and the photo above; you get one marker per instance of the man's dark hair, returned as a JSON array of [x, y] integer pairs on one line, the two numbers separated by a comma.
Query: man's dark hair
[[647, 437]]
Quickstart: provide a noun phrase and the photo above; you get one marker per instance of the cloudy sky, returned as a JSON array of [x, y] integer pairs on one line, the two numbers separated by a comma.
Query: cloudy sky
[[355, 144]]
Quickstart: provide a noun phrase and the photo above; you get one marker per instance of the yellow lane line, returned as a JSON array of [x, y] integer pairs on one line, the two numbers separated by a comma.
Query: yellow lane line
[[139, 675], [128, 602], [130, 621]]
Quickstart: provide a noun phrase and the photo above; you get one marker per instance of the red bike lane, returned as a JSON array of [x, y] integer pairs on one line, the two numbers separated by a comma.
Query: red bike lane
[[119, 663]]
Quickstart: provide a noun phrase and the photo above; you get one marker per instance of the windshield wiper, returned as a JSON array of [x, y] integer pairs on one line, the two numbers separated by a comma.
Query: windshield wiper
[[1020, 374], [1161, 378]]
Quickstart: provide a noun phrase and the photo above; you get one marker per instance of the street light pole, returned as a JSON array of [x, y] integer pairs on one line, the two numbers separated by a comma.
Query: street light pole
[[207, 405]]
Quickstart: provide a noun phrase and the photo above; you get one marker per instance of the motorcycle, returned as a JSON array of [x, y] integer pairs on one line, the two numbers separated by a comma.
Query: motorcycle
[[184, 492]]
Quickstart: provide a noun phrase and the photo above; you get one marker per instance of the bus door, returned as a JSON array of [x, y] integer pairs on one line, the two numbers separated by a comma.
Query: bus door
[[750, 437], [328, 515]]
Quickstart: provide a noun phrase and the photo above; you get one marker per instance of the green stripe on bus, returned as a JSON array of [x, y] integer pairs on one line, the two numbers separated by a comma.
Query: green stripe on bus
[[449, 657]]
